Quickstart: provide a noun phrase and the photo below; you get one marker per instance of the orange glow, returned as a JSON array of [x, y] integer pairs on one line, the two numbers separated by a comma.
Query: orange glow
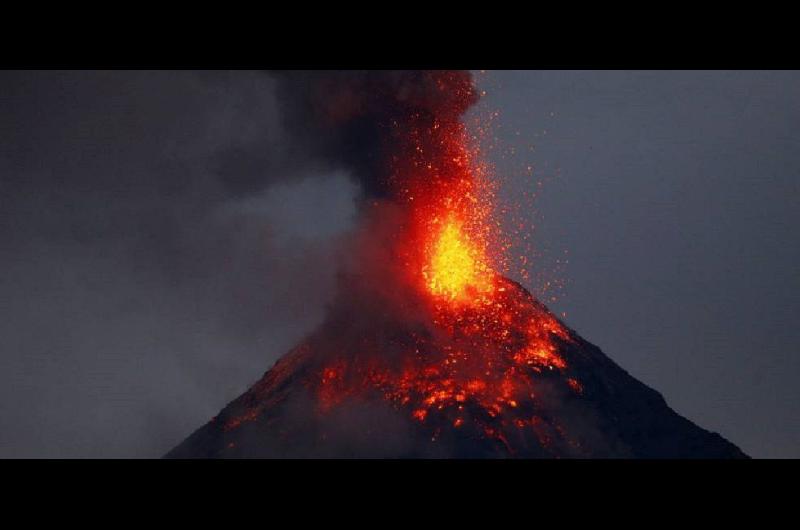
[[456, 264], [575, 385]]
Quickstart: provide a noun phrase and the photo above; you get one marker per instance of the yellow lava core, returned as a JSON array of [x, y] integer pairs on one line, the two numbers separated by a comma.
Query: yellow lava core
[[456, 263]]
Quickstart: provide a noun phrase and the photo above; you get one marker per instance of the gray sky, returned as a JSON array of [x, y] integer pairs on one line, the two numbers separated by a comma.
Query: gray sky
[[677, 195], [161, 246]]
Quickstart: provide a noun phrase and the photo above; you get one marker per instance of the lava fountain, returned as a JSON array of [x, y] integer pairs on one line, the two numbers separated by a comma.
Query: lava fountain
[[448, 356]]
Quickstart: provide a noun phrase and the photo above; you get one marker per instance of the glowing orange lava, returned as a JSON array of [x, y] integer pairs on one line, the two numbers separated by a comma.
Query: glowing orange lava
[[457, 266]]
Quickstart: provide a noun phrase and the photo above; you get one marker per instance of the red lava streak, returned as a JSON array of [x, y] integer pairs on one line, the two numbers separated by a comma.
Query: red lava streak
[[482, 366]]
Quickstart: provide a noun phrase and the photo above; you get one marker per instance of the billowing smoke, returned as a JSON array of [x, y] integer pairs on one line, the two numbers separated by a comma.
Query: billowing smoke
[[361, 120], [166, 236], [162, 242]]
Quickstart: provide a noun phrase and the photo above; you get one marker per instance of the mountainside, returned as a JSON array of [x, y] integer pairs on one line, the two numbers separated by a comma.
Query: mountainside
[[515, 383]]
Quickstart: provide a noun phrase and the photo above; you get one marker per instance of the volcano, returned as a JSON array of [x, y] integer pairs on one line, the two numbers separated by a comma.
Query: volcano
[[429, 349], [548, 395]]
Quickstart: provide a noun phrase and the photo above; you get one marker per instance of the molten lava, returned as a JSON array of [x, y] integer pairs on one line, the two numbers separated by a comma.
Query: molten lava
[[479, 364], [457, 267], [487, 342]]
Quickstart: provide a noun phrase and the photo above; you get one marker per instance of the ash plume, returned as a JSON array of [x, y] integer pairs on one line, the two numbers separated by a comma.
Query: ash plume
[[354, 119]]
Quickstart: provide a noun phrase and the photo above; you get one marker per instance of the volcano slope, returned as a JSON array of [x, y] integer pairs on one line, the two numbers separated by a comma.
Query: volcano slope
[[502, 379]]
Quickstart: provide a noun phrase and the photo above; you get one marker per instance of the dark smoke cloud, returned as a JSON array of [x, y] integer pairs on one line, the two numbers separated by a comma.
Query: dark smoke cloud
[[352, 119], [162, 242]]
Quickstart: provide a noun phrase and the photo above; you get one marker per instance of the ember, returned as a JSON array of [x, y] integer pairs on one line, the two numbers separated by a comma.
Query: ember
[[456, 264]]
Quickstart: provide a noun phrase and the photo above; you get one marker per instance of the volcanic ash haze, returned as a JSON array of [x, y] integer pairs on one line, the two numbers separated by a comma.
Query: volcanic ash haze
[[428, 349]]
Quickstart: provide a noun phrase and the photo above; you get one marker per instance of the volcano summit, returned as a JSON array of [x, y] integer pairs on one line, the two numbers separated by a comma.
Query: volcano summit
[[429, 349], [435, 394]]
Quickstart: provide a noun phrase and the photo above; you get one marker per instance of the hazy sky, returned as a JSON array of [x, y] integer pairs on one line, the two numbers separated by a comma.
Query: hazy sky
[[677, 195], [158, 251], [148, 274]]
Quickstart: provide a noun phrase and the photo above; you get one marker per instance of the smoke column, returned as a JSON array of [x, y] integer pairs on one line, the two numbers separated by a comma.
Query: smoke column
[[361, 120]]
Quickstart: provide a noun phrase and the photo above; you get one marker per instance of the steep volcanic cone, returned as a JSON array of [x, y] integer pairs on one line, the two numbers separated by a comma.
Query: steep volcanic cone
[[369, 385], [428, 351]]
